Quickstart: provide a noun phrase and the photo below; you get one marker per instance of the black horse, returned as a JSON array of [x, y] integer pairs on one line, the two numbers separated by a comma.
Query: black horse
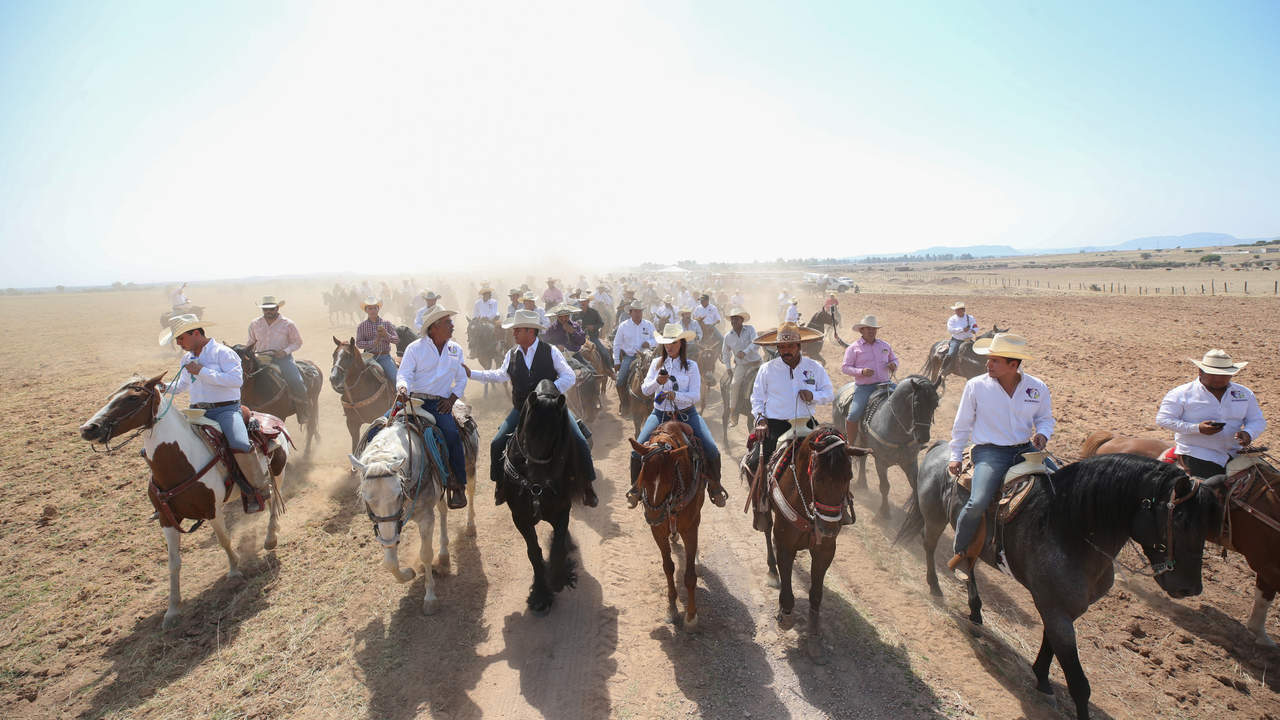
[[542, 475], [404, 336], [264, 389], [820, 321], [1062, 543], [484, 344], [966, 364], [895, 428]]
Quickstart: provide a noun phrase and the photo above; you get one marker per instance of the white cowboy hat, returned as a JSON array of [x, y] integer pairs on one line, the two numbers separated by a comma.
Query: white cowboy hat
[[515, 291], [523, 319], [867, 321], [739, 312], [1006, 345], [672, 333], [666, 298], [563, 310], [635, 305], [429, 295], [1216, 362], [179, 324], [958, 306], [369, 302], [270, 301], [787, 333], [437, 312], [586, 295], [484, 288], [792, 300], [529, 296], [686, 310]]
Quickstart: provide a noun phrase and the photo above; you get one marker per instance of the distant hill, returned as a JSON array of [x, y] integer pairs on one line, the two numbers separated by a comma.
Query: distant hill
[[1161, 242], [973, 250]]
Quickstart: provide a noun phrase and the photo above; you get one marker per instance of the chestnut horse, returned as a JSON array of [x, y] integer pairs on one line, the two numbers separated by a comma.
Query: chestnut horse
[[186, 476], [365, 393], [672, 489], [1251, 526]]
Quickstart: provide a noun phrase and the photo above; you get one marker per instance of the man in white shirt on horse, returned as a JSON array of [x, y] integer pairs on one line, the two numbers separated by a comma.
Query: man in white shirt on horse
[[486, 307], [961, 326], [788, 387], [633, 335], [740, 356], [1004, 413], [431, 299], [1212, 417]]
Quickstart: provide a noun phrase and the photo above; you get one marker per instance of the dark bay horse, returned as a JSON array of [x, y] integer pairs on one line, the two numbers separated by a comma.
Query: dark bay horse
[[639, 405], [404, 336], [188, 481], [265, 391], [967, 364], [542, 476], [806, 499], [484, 344], [895, 429], [362, 386], [820, 321], [707, 356], [1251, 525], [672, 491], [1062, 543]]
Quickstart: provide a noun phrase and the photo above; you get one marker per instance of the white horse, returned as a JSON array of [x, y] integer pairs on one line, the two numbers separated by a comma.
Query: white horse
[[176, 454], [399, 482]]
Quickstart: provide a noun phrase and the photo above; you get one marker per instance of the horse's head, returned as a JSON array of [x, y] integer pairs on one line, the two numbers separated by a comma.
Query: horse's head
[[1171, 526], [404, 336], [132, 406], [826, 458], [913, 403], [248, 359], [344, 358], [662, 459], [383, 483], [542, 420]]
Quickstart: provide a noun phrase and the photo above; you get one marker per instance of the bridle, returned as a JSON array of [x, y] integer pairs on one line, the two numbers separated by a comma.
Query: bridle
[[1166, 547], [400, 517], [813, 511], [678, 498], [151, 404], [535, 489], [908, 430]]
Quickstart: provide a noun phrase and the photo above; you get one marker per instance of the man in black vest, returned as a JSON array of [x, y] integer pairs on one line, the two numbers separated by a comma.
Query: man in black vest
[[528, 363]]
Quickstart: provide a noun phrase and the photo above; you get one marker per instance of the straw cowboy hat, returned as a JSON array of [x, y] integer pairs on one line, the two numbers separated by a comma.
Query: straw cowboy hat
[[529, 296], [686, 310], [523, 319], [429, 295], [870, 321], [787, 333], [792, 300], [370, 302], [635, 305], [563, 310], [673, 333], [1005, 345], [958, 306], [666, 298], [485, 288], [436, 313], [1218, 362], [739, 312], [586, 295], [179, 324], [270, 301]]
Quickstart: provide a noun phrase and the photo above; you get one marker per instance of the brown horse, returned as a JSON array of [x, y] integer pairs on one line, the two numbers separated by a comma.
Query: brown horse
[[672, 489], [264, 389], [188, 480], [806, 497], [639, 405], [1251, 525], [365, 393]]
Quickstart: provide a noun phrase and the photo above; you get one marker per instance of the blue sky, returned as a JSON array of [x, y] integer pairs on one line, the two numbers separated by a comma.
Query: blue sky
[[152, 141]]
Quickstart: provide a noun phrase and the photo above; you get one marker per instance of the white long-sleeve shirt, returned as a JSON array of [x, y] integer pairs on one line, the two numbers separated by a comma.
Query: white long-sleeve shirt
[[689, 383], [776, 392], [629, 336], [792, 314], [989, 416], [177, 298], [709, 315], [485, 309], [220, 378], [420, 315], [1186, 406], [424, 369], [743, 342], [564, 374], [962, 328]]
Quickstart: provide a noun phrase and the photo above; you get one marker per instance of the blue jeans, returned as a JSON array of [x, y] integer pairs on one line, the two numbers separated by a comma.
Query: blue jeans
[[626, 365], [990, 463], [292, 377], [499, 444], [452, 441], [388, 366], [861, 394], [690, 416], [953, 346], [232, 424]]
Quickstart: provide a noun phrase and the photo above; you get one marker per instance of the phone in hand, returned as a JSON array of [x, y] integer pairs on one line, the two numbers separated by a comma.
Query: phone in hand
[[1215, 423]]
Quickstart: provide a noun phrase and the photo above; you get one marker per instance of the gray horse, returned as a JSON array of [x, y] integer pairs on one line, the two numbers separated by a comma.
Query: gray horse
[[966, 364]]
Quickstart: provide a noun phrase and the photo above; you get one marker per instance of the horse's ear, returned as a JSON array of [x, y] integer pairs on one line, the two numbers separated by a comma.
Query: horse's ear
[[155, 380], [637, 446], [1182, 485], [352, 342], [857, 451], [336, 341], [560, 399], [356, 464]]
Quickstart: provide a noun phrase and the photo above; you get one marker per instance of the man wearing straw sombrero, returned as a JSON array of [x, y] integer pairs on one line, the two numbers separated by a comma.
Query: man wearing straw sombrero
[[789, 387], [1005, 413], [1212, 417], [276, 335], [376, 337]]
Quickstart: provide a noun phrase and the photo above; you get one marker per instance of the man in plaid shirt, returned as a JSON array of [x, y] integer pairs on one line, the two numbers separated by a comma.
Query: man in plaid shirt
[[377, 337]]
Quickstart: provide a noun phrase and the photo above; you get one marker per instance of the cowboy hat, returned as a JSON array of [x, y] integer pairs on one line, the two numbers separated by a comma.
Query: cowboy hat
[[529, 296], [792, 300], [429, 295], [788, 333], [515, 291], [1005, 345], [586, 295], [1218, 362], [485, 288], [563, 310], [739, 312], [436, 313], [958, 306], [370, 302], [867, 321], [672, 333], [523, 319], [270, 301], [179, 324], [686, 310], [635, 305], [666, 298]]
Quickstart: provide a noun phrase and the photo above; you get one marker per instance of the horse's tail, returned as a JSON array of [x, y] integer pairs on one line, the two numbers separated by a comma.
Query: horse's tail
[[1093, 442], [913, 524]]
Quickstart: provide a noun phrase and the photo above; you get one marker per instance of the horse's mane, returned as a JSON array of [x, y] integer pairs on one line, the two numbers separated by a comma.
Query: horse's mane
[[833, 462]]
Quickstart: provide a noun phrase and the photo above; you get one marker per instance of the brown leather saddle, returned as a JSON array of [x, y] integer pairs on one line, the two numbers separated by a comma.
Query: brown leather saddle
[[1018, 483], [265, 432]]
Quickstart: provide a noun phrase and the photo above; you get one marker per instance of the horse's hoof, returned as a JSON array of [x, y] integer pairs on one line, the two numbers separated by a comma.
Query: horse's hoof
[[1044, 686], [430, 606], [975, 618], [935, 591], [673, 615], [772, 580], [405, 575], [540, 608], [1262, 641], [269, 543], [786, 620], [440, 567], [170, 620], [691, 624], [235, 574], [469, 531]]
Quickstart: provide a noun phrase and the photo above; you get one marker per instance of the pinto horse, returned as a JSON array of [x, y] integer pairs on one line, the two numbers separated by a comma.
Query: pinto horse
[[1251, 525], [541, 476], [187, 478], [672, 490], [806, 495], [1063, 541], [264, 389]]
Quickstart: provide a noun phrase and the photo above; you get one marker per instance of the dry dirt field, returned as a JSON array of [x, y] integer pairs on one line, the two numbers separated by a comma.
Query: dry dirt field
[[318, 629]]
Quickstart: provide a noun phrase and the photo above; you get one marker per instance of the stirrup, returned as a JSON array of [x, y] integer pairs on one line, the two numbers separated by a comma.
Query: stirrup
[[962, 567], [456, 497], [633, 496]]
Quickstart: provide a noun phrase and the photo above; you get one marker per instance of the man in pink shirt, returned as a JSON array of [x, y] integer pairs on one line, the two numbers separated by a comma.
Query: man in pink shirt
[[276, 334], [872, 363]]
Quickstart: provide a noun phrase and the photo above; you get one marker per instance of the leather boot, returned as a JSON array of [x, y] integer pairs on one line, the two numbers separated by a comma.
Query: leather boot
[[250, 480], [715, 490], [495, 474], [633, 495]]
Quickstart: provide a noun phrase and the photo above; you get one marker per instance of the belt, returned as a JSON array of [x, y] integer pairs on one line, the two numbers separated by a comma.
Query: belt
[[210, 406], [425, 396]]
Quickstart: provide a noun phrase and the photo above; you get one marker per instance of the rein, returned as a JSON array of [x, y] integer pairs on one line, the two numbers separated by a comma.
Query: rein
[[820, 444], [681, 494], [907, 430], [349, 384], [1166, 547], [400, 517]]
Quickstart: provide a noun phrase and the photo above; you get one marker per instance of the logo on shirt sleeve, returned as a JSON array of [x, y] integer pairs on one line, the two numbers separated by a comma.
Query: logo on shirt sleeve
[[1033, 394], [1237, 395]]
